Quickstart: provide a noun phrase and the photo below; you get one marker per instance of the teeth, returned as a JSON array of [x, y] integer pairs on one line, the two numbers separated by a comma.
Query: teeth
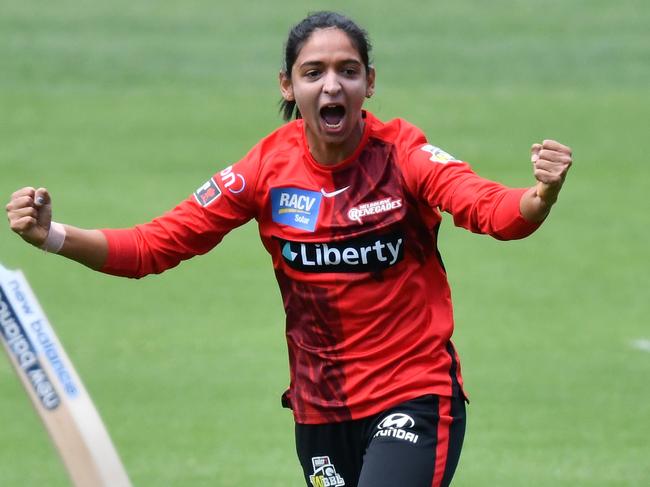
[[333, 106]]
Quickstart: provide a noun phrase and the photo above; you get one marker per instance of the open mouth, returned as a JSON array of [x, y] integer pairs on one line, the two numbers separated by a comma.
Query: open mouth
[[332, 115]]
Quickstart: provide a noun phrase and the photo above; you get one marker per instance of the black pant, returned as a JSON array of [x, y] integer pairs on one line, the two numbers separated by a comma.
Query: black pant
[[414, 444]]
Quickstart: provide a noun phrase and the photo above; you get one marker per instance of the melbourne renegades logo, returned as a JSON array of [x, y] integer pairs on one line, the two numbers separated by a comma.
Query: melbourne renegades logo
[[373, 208]]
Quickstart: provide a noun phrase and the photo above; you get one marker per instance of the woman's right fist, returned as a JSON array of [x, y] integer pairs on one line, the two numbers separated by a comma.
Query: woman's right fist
[[30, 214]]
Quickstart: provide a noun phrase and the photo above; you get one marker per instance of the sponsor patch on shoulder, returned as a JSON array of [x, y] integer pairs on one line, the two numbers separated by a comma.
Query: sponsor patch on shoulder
[[207, 193], [232, 181], [438, 155]]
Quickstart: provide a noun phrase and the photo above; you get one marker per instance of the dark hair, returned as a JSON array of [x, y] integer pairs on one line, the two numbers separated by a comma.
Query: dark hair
[[300, 33]]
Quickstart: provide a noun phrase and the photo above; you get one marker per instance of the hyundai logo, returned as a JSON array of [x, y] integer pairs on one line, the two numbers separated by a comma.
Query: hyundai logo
[[397, 420]]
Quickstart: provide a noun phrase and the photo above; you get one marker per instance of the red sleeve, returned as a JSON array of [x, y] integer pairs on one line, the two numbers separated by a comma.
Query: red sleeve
[[477, 204], [195, 226]]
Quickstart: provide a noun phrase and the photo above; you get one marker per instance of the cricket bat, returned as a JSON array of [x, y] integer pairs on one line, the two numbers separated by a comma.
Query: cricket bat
[[55, 389]]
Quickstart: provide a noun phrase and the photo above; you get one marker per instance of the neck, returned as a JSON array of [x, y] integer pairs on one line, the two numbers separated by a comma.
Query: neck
[[331, 153]]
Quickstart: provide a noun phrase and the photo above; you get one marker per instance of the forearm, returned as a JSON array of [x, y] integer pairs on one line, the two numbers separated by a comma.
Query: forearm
[[29, 212], [533, 207], [88, 247]]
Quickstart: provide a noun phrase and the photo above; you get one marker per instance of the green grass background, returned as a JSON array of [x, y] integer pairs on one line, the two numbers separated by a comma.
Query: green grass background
[[123, 108]]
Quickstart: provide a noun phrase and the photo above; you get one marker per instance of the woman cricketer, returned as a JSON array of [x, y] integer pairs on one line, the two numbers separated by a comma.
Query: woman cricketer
[[349, 207]]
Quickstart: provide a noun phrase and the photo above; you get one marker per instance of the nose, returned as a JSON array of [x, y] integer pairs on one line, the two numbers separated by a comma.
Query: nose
[[331, 84]]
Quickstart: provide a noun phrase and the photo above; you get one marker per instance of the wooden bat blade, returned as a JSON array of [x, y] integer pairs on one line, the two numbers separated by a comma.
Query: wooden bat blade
[[55, 389]]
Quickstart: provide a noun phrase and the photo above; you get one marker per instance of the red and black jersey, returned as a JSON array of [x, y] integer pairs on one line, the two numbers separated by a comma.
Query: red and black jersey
[[368, 307]]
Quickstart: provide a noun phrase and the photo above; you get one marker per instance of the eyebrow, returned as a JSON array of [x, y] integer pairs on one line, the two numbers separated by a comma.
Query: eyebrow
[[309, 63]]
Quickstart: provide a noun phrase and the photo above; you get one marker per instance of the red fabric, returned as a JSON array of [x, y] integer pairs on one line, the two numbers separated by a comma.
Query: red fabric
[[359, 341]]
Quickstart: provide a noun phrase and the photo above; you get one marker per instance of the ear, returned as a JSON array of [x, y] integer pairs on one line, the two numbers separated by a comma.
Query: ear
[[370, 81], [286, 87]]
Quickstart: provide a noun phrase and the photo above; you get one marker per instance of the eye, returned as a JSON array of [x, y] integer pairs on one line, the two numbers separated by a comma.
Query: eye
[[312, 74], [350, 71]]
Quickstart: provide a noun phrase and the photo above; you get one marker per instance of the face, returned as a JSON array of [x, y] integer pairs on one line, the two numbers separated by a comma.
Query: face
[[329, 83]]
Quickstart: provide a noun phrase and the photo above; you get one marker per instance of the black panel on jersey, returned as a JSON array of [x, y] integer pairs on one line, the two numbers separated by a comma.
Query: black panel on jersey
[[369, 253]]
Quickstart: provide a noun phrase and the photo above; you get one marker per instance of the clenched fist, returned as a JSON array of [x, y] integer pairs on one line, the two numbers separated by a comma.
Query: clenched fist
[[551, 162], [30, 214]]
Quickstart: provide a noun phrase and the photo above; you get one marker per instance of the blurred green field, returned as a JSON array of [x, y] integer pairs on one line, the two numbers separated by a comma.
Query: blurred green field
[[123, 108]]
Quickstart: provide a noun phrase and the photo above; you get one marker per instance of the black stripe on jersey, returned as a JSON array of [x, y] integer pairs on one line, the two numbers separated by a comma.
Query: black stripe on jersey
[[435, 232], [456, 390]]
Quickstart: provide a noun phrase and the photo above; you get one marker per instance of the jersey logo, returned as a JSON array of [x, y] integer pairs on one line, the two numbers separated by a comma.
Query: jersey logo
[[394, 426], [373, 208], [324, 473], [397, 420], [333, 193], [364, 254], [207, 193], [232, 181], [438, 155], [295, 207]]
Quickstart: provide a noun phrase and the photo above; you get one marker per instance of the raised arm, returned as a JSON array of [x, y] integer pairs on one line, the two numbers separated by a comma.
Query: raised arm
[[481, 205], [30, 215]]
